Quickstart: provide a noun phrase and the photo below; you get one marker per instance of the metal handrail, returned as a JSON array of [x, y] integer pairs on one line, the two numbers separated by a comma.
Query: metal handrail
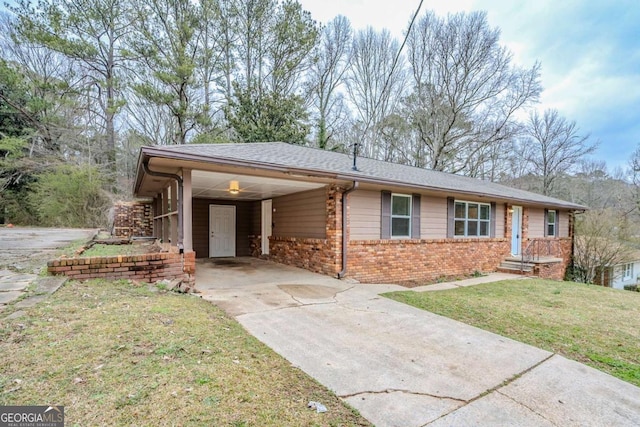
[[533, 251]]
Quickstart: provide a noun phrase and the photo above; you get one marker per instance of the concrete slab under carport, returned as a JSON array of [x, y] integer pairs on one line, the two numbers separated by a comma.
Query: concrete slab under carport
[[401, 366]]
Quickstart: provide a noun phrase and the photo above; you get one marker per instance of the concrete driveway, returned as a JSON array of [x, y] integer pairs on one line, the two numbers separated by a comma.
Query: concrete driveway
[[25, 250], [401, 366]]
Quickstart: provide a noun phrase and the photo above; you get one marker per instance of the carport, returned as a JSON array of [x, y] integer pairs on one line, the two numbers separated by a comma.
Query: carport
[[209, 204]]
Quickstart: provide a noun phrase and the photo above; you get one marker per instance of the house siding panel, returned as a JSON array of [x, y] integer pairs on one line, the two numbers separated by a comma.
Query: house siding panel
[[536, 223], [200, 225], [499, 215], [563, 227], [301, 215], [433, 220], [364, 215]]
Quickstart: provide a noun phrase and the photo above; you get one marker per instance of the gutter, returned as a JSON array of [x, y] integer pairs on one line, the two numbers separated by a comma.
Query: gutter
[[178, 178], [343, 272]]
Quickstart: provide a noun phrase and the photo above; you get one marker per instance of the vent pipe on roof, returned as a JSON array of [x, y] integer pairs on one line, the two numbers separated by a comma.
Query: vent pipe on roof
[[343, 272], [355, 156], [178, 178]]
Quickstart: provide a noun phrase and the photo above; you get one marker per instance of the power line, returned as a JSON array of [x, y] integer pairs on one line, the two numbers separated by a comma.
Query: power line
[[393, 67]]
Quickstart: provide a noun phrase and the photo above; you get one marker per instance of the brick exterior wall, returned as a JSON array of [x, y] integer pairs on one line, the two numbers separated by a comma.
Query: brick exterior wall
[[317, 255], [397, 261], [146, 267], [132, 219], [389, 261], [311, 254]]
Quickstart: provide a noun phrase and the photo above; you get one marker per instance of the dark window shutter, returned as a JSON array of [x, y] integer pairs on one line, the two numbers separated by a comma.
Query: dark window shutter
[[450, 216], [492, 219], [415, 216], [556, 228], [385, 223], [546, 222]]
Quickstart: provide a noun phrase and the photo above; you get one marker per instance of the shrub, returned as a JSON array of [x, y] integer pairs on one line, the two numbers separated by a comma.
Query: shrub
[[633, 288], [71, 196]]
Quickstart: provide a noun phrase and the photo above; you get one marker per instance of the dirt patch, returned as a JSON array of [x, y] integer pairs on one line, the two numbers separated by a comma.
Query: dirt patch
[[228, 262], [441, 279]]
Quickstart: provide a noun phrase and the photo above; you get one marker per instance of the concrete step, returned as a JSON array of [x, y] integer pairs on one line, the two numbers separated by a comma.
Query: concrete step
[[516, 265], [514, 271]]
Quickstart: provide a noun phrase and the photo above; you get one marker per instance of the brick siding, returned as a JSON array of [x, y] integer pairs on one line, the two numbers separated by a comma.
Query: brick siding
[[389, 261], [146, 267], [397, 261]]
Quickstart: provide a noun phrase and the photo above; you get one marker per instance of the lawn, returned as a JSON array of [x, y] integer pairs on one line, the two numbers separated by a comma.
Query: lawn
[[116, 354], [593, 325]]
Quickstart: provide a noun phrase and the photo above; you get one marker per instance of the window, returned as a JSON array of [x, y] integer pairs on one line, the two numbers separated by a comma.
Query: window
[[400, 215], [627, 272], [551, 222], [472, 219]]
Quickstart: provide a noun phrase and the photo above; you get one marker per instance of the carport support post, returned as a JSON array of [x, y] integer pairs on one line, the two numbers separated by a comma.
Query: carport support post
[[174, 218], [165, 217], [187, 209]]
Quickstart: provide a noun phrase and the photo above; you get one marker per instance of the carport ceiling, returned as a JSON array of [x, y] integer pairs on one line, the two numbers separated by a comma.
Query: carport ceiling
[[215, 185]]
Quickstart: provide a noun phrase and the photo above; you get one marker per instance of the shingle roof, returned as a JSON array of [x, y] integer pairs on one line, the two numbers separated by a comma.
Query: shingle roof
[[326, 163]]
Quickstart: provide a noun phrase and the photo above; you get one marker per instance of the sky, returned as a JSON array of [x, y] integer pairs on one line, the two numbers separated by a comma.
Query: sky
[[589, 51]]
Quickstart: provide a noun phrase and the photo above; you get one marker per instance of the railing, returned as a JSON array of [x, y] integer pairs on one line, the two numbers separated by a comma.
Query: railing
[[540, 247]]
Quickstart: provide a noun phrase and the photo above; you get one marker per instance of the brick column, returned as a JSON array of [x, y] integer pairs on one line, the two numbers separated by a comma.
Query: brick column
[[333, 228]]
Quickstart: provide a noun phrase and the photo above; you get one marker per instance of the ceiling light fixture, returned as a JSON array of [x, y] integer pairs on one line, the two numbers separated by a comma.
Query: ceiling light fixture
[[234, 187]]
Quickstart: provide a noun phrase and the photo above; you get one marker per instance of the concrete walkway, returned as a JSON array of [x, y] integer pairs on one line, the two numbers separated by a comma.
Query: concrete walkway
[[24, 251], [401, 366]]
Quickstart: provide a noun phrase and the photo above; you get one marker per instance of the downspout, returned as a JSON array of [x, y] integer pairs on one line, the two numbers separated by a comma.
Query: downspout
[[343, 272], [572, 265], [178, 178]]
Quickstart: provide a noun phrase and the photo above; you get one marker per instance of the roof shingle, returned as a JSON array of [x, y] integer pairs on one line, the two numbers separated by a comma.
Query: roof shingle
[[295, 157]]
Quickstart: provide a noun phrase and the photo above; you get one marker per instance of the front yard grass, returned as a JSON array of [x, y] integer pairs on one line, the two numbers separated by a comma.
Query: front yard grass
[[593, 325], [116, 354]]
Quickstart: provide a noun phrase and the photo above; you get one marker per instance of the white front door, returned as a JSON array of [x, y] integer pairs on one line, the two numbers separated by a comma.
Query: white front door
[[516, 230], [222, 231], [267, 222]]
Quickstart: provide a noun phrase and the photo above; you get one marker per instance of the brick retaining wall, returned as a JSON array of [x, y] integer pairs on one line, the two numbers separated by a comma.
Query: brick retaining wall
[[146, 267]]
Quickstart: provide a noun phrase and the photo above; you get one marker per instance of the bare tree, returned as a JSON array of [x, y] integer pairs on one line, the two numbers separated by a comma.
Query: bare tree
[[553, 146], [600, 243], [465, 92], [374, 86], [327, 72]]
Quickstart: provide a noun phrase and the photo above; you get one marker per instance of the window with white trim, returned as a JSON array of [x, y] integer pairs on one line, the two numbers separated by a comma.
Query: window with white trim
[[552, 218], [627, 272], [400, 215], [472, 219]]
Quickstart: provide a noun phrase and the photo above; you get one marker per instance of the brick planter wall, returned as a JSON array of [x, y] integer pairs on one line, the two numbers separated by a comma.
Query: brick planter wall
[[384, 261], [132, 219], [146, 267]]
